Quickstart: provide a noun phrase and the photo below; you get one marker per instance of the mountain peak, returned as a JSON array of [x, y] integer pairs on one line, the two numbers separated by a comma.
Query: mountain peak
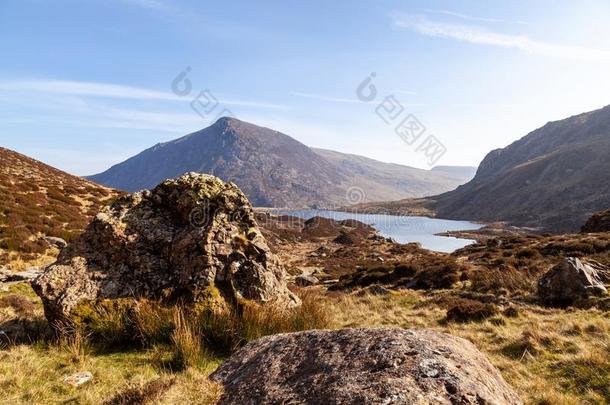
[[232, 123], [272, 168]]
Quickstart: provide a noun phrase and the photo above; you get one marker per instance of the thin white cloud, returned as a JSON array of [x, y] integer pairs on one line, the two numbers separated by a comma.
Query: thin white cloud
[[109, 90], [326, 98], [481, 36], [473, 18], [150, 4]]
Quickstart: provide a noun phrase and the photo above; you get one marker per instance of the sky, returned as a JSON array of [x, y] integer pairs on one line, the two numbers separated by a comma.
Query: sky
[[85, 84]]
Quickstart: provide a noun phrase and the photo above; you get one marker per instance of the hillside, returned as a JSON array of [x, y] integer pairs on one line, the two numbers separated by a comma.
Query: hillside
[[554, 178], [273, 169], [37, 200], [383, 181]]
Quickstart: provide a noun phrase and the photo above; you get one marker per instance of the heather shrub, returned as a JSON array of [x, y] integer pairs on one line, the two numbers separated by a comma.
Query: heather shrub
[[470, 310]]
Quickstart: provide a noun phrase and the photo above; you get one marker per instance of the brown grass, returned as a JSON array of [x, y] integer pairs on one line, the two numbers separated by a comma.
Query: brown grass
[[185, 340], [142, 394]]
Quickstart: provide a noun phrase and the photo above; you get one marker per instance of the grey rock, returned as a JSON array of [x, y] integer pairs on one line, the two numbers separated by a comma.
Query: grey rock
[[374, 289], [174, 241], [362, 366], [570, 281], [305, 281], [28, 275], [5, 273], [54, 241], [78, 379]]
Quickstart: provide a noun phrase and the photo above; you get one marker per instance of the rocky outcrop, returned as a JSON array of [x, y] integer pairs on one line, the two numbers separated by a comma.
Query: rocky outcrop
[[362, 366], [599, 222], [570, 281], [173, 242]]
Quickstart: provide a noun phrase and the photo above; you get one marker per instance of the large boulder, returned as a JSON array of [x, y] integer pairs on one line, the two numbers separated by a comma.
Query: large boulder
[[570, 281], [362, 366], [174, 242]]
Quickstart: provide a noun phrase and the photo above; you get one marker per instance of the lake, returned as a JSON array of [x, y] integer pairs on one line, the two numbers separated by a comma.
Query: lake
[[403, 229]]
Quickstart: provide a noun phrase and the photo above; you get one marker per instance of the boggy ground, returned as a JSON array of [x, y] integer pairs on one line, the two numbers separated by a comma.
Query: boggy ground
[[484, 293]]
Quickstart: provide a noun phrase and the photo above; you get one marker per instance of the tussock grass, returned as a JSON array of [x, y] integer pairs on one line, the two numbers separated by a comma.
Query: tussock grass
[[185, 340]]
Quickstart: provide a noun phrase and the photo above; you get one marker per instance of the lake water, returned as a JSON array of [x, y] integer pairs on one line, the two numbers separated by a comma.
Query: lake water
[[403, 229]]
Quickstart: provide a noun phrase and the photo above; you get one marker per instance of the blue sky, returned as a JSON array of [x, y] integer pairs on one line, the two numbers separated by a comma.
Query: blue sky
[[85, 84]]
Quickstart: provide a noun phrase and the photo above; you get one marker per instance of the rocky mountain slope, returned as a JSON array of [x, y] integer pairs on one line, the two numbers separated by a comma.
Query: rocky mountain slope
[[554, 178], [273, 169], [36, 200]]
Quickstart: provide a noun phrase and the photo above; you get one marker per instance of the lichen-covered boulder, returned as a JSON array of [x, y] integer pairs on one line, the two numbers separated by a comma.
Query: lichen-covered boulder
[[570, 281], [362, 366], [173, 243]]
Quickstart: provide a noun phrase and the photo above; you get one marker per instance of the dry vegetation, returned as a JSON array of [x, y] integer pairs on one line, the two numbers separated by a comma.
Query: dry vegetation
[[145, 353], [36, 200], [138, 351], [550, 356]]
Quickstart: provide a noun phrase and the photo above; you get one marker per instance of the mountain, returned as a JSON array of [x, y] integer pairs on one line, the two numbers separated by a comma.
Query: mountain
[[273, 169], [36, 200], [553, 178], [383, 181]]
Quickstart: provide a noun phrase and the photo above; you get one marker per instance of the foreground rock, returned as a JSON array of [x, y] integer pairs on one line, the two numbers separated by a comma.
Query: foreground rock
[[176, 242], [362, 366], [570, 281]]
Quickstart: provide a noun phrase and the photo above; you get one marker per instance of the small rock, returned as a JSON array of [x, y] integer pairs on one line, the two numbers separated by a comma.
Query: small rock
[[78, 379], [374, 289], [344, 239], [323, 249], [54, 241], [28, 275], [5, 273], [305, 281]]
